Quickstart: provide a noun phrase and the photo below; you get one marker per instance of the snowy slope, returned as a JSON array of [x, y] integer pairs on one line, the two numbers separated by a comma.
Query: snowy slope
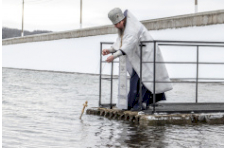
[[82, 54]]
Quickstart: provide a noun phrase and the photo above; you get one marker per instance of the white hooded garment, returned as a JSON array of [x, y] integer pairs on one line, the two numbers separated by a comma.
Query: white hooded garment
[[134, 33]]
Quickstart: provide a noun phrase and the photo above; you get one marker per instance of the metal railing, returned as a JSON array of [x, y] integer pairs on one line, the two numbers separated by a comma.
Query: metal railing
[[100, 79], [157, 43]]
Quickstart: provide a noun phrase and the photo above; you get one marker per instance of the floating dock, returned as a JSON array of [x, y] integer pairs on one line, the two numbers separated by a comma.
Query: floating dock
[[167, 113]]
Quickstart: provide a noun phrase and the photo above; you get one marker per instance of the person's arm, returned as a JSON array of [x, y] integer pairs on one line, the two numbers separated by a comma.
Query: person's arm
[[112, 50], [115, 55], [108, 51]]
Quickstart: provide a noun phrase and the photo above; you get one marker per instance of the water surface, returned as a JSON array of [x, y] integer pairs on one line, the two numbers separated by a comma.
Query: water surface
[[42, 109]]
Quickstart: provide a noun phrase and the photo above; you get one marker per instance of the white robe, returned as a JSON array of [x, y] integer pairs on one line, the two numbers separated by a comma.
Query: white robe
[[134, 33]]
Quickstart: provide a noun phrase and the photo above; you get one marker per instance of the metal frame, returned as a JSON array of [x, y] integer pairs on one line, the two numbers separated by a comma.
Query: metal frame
[[157, 43], [100, 80]]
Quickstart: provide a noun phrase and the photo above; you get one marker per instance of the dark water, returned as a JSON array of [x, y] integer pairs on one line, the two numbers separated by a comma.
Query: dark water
[[42, 109]]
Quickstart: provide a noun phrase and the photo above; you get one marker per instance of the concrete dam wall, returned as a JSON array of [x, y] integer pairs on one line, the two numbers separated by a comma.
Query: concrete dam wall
[[188, 20]]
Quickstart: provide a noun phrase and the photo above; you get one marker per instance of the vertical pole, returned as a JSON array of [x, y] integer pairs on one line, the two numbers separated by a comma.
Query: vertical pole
[[196, 91], [100, 77], [140, 84], [196, 6], [111, 92], [154, 77], [22, 18], [80, 14]]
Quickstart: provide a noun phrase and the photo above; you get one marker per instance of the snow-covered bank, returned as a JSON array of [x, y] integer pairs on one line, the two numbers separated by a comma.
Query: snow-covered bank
[[82, 54]]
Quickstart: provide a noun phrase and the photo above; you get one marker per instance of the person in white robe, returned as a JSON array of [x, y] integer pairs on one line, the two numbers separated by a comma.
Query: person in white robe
[[130, 33]]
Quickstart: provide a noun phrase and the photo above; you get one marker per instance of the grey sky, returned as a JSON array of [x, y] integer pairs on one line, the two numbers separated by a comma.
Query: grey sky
[[61, 15]]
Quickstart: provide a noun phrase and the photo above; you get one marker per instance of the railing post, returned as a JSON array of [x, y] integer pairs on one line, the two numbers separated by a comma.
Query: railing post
[[140, 84], [196, 91], [154, 77], [100, 77], [111, 93]]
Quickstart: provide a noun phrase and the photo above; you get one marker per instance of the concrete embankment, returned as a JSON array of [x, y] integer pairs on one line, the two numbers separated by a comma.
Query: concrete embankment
[[188, 20], [144, 119], [66, 51]]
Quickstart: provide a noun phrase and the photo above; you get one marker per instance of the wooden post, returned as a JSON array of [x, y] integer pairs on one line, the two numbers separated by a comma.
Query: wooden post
[[85, 105]]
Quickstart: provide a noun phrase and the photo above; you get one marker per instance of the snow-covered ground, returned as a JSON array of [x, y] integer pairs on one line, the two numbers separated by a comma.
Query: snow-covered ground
[[82, 54]]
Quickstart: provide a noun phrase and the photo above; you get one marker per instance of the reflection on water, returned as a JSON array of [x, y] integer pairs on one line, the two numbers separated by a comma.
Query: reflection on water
[[42, 109]]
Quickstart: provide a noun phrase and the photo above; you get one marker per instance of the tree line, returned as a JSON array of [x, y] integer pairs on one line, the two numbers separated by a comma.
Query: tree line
[[11, 32]]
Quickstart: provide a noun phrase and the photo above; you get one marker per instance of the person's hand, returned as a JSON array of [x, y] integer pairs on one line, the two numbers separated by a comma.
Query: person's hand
[[110, 59], [105, 52]]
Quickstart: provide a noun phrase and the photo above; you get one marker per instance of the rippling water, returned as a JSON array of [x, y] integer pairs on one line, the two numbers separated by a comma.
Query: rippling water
[[42, 109]]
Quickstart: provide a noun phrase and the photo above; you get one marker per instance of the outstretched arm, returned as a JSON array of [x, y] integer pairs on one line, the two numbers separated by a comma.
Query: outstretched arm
[[108, 51], [114, 56]]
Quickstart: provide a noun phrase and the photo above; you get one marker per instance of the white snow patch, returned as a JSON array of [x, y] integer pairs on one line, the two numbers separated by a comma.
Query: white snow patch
[[82, 55]]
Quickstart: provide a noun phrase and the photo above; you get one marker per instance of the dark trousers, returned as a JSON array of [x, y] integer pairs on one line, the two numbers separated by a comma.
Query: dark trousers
[[147, 96]]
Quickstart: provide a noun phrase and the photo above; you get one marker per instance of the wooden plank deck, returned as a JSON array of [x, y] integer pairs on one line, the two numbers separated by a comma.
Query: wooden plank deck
[[182, 108], [187, 108]]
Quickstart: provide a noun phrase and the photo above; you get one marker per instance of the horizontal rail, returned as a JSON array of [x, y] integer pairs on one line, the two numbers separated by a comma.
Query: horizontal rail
[[109, 63], [178, 82], [184, 62], [106, 42], [201, 42], [200, 78], [175, 79], [191, 45]]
